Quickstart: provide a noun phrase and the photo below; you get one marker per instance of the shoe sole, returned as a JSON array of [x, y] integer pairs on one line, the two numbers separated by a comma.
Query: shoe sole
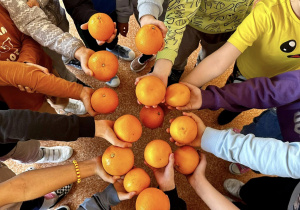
[[142, 67]]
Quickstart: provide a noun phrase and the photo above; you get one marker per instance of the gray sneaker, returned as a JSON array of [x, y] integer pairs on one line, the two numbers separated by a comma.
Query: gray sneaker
[[123, 52], [114, 82], [55, 154], [233, 186]]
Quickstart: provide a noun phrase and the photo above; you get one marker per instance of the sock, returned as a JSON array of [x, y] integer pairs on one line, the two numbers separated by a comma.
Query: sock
[[144, 58]]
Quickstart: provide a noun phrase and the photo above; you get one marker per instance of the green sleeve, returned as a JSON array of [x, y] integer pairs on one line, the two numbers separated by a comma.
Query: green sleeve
[[178, 16]]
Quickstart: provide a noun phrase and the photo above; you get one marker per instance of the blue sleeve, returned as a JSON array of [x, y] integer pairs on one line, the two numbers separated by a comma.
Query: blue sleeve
[[266, 155], [102, 200], [261, 93]]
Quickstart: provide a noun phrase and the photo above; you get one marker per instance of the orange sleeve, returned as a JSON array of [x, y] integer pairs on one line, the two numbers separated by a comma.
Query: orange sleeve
[[16, 73], [30, 50]]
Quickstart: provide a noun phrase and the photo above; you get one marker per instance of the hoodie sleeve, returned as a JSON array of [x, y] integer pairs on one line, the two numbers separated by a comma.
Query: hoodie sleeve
[[261, 93]]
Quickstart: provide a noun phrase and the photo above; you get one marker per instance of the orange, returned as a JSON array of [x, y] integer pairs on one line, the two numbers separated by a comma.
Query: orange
[[183, 129], [150, 91], [136, 180], [157, 153], [101, 26], [117, 161], [178, 95], [152, 199], [104, 65], [186, 159], [105, 100], [152, 117], [149, 39], [128, 128]]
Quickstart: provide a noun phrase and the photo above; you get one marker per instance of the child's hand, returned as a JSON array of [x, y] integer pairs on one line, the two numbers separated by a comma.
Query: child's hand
[[122, 194], [195, 100], [199, 173], [102, 173], [104, 129], [85, 97], [165, 176], [83, 54], [101, 42], [32, 3], [201, 129], [123, 28], [149, 19]]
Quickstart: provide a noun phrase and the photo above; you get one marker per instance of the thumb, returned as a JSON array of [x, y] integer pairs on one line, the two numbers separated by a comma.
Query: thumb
[[84, 26], [171, 160], [126, 196]]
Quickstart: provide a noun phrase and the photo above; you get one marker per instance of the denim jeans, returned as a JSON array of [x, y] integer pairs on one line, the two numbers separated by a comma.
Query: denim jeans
[[265, 125]]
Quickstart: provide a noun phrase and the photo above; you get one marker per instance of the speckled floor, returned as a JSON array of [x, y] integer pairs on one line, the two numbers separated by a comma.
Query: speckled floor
[[84, 148]]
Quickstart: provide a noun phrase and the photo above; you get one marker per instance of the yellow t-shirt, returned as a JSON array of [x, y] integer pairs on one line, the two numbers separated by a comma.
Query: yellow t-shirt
[[269, 39], [208, 16]]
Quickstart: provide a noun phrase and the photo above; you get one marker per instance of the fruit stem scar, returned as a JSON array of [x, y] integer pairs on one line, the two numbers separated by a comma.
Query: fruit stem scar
[[103, 95], [103, 65], [112, 155]]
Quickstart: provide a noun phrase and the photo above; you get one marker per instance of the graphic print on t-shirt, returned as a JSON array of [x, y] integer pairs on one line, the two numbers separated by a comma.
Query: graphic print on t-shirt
[[289, 47]]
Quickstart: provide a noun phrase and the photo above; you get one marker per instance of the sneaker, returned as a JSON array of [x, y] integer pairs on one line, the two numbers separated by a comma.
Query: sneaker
[[114, 82], [238, 169], [57, 195], [30, 169], [123, 52], [227, 116], [174, 76], [63, 208], [75, 107], [55, 154], [233, 186], [137, 66], [75, 63]]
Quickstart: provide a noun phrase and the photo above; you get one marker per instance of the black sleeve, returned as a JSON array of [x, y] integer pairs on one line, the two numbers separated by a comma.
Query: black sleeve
[[176, 202], [22, 125], [80, 10], [102, 200]]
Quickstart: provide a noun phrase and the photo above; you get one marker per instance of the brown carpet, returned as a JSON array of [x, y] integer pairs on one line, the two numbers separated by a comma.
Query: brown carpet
[[84, 148]]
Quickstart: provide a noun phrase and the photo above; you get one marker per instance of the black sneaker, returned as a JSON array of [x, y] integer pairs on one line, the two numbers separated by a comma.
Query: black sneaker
[[75, 63], [63, 208], [174, 76], [227, 116], [122, 52], [61, 193]]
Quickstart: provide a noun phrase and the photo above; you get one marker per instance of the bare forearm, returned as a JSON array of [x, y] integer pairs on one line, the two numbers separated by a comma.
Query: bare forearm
[[213, 198], [33, 184], [213, 65]]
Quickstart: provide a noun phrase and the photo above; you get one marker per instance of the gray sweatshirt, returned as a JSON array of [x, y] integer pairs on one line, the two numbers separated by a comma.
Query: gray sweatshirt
[[41, 25]]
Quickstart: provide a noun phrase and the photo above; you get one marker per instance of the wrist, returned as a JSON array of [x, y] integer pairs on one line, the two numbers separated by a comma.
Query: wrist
[[145, 19], [167, 186], [99, 128], [80, 51]]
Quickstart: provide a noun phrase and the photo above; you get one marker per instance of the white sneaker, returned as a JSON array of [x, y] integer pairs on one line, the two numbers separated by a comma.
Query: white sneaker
[[75, 107], [55, 154], [123, 52], [114, 82], [233, 186]]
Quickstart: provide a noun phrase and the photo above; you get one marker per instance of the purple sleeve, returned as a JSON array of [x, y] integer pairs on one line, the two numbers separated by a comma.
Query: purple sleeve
[[261, 93]]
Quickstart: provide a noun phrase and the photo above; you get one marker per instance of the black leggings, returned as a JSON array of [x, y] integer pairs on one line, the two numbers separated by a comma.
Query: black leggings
[[267, 193]]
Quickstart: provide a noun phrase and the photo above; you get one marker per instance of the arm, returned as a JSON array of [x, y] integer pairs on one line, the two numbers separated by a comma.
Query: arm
[[25, 125], [14, 74], [261, 93], [29, 21], [176, 26], [33, 184], [212, 197], [101, 200], [255, 24], [213, 65], [266, 155], [31, 51], [153, 7]]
